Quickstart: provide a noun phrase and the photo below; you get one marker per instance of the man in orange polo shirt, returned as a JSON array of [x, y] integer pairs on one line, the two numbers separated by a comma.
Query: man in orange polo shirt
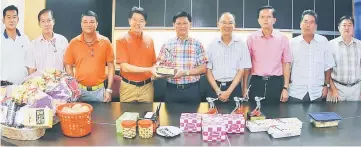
[[136, 56], [91, 52]]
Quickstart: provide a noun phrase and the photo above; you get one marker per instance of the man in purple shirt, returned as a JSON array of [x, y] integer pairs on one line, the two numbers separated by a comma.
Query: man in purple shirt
[[271, 57]]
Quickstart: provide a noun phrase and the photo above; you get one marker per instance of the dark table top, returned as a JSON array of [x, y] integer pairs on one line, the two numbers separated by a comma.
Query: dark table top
[[104, 129]]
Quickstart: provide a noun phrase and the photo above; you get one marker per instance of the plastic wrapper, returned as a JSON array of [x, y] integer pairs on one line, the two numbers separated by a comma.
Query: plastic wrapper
[[190, 122], [281, 131]]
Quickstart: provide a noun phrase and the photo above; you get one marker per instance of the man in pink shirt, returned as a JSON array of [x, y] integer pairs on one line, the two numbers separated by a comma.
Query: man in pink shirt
[[271, 57]]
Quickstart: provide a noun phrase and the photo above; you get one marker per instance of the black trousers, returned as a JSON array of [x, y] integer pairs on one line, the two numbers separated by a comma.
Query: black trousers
[[224, 86], [274, 87], [183, 93], [306, 98]]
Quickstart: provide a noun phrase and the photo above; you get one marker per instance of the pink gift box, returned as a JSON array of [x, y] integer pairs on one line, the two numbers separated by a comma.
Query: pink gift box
[[235, 123], [213, 131], [190, 122]]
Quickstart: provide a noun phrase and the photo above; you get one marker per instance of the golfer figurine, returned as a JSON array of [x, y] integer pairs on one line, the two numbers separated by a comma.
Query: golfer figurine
[[212, 107]]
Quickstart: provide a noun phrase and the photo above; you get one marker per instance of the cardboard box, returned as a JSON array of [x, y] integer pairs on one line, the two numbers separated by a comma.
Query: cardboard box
[[281, 131], [214, 130], [190, 122], [235, 123], [38, 117]]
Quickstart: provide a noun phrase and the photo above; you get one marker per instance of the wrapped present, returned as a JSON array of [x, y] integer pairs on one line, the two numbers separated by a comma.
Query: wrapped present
[[125, 116], [325, 119], [37, 117], [281, 131], [214, 131], [294, 122], [235, 123], [190, 122], [73, 87], [261, 125], [166, 71]]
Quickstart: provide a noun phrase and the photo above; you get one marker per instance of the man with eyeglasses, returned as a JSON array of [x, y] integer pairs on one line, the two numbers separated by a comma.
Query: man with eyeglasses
[[345, 77], [13, 49], [47, 51], [91, 53], [136, 56], [228, 57], [270, 54], [312, 62], [188, 56]]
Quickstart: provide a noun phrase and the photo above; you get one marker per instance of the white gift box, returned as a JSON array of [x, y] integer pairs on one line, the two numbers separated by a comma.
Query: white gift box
[[260, 125], [281, 131], [190, 122]]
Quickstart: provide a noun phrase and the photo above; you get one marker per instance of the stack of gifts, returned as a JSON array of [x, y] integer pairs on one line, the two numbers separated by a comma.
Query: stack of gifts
[[190, 122], [277, 128], [213, 128]]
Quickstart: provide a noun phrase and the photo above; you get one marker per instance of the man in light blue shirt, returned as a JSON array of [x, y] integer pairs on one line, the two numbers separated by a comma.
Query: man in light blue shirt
[[312, 62], [228, 57]]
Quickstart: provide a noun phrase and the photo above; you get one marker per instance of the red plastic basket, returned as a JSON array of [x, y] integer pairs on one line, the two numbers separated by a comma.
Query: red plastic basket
[[75, 125]]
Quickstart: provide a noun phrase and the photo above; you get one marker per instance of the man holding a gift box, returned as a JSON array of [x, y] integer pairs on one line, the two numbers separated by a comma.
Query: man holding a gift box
[[345, 77], [228, 57], [271, 57], [13, 49], [187, 55], [91, 53], [47, 51], [136, 56], [312, 62]]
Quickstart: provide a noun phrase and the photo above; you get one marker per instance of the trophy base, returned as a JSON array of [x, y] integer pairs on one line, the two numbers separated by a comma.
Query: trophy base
[[252, 117]]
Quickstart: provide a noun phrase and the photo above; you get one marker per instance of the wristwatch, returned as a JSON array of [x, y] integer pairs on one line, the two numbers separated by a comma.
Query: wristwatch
[[187, 73], [285, 88], [109, 90], [326, 85]]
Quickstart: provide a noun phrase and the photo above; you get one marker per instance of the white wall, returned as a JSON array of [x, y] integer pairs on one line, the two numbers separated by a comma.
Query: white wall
[[21, 6]]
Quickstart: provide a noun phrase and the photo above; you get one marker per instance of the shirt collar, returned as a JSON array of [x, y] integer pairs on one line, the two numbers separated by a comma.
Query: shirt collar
[[340, 39], [234, 39], [52, 39], [135, 35], [273, 34], [316, 38], [178, 38], [81, 37], [7, 36]]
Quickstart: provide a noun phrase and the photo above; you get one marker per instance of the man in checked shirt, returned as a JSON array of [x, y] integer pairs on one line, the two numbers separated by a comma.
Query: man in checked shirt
[[345, 77], [187, 55]]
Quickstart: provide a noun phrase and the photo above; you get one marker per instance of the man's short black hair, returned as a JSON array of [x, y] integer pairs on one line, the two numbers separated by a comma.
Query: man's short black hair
[[138, 10], [182, 14], [90, 13], [10, 8], [266, 7], [346, 17], [309, 12], [45, 11]]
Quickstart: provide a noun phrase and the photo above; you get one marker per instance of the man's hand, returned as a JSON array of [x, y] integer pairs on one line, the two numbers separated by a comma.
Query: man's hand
[[333, 95], [324, 92], [153, 70], [107, 96], [284, 96], [180, 73], [224, 97]]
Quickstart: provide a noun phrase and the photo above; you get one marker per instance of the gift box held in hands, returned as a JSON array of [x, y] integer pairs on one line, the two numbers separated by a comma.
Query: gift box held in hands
[[190, 122]]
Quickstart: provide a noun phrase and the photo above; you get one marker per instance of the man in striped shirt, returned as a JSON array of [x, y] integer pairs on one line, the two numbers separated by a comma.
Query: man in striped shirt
[[228, 57], [346, 50], [187, 55], [47, 51]]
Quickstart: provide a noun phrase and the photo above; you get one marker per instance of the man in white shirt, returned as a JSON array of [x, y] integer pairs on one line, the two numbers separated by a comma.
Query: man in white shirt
[[345, 76], [312, 62], [13, 49], [47, 51]]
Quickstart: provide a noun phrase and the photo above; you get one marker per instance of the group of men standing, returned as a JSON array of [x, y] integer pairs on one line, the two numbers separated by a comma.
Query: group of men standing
[[306, 68]]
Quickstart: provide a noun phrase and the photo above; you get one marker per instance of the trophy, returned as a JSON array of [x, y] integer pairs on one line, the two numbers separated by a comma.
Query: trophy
[[212, 107], [256, 114], [239, 105]]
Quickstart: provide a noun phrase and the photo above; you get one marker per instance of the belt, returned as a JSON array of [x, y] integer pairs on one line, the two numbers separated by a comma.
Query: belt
[[5, 83], [181, 86], [347, 85], [91, 88], [266, 78], [224, 83], [139, 83]]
